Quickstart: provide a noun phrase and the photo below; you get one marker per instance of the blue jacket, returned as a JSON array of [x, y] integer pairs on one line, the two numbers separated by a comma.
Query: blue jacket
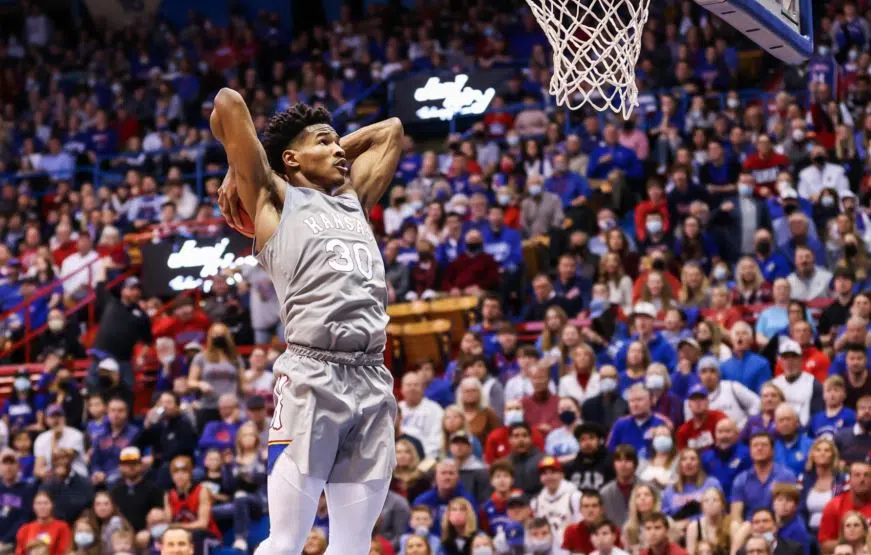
[[660, 351], [440, 391], [219, 435], [751, 370], [439, 506], [793, 455], [17, 503], [504, 246], [627, 432], [621, 159], [107, 448], [774, 267], [567, 187], [726, 465], [795, 530]]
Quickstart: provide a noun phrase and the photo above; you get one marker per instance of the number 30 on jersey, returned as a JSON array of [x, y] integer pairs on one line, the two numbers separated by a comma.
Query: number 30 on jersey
[[346, 256]]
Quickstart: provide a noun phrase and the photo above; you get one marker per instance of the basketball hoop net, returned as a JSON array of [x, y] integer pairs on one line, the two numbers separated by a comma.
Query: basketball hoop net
[[595, 44]]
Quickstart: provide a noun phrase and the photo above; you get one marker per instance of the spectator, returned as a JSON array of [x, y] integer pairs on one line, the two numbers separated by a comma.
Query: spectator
[[612, 155], [835, 416], [134, 496], [524, 458], [189, 504], [82, 270], [167, 434], [18, 495], [54, 533], [447, 487], [634, 428], [541, 211], [763, 525], [221, 434], [531, 121], [215, 372], [570, 187], [821, 175], [421, 417], [474, 271], [643, 316], [608, 406], [801, 390], [745, 366], [578, 533], [728, 457], [764, 165], [732, 398], [842, 506], [70, 493], [808, 282], [698, 431], [751, 489], [656, 530], [58, 436], [61, 336], [110, 443], [791, 447]]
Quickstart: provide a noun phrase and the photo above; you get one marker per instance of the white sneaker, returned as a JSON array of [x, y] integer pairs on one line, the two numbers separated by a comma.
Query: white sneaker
[[241, 545]]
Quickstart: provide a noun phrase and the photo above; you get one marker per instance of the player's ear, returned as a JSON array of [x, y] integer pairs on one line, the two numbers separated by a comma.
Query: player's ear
[[289, 159]]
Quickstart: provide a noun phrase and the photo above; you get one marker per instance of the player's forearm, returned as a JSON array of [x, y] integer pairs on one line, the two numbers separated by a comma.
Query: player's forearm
[[371, 136]]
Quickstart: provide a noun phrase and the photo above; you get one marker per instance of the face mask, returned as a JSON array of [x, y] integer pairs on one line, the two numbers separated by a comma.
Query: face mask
[[84, 539], [534, 190], [654, 226], [513, 417], [798, 135], [662, 444], [219, 342], [745, 190], [733, 103], [117, 89], [607, 385], [474, 248], [22, 384], [769, 537], [658, 264], [819, 160], [720, 273], [461, 209], [567, 417], [607, 225], [482, 551], [654, 382], [350, 73], [55, 325], [851, 250], [512, 140], [416, 205], [421, 531], [853, 55], [598, 306], [503, 199], [538, 545], [166, 360], [823, 50], [763, 247], [827, 201], [628, 125], [157, 530]]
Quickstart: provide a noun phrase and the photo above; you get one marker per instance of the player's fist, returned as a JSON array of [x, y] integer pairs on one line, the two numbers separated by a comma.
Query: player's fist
[[231, 206]]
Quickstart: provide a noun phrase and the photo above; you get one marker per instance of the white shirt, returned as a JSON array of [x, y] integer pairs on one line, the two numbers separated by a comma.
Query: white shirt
[[798, 394], [70, 438], [73, 279], [425, 423], [814, 287], [812, 180], [519, 386], [570, 387], [732, 398]]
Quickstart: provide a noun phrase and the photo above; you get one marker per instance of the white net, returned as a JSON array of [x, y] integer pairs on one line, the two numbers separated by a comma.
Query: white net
[[595, 47]]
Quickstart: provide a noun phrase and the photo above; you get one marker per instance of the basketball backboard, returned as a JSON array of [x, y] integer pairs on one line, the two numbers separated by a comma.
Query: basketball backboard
[[782, 27]]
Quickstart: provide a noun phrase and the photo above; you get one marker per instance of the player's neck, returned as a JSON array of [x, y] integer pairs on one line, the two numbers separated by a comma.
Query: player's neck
[[300, 181]]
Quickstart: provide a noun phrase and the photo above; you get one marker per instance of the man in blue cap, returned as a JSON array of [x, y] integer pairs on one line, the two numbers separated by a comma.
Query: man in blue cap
[[698, 432]]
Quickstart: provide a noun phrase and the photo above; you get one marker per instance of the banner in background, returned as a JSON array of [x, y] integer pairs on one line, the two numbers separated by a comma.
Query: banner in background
[[175, 265], [442, 96], [117, 14]]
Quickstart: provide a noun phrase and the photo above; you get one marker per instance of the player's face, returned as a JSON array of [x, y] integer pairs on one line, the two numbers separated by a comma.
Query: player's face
[[319, 157]]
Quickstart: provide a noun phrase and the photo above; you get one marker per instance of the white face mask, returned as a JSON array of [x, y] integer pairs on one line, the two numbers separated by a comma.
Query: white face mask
[[55, 325], [798, 135], [607, 385], [513, 417], [733, 103], [654, 226], [485, 550], [654, 381]]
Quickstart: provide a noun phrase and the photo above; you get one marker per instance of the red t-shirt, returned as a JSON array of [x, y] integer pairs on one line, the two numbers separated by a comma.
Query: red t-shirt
[[576, 538], [835, 510], [765, 170], [498, 446], [699, 437], [54, 533]]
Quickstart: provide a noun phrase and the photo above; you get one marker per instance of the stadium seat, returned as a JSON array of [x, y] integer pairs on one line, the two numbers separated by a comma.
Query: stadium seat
[[456, 311], [422, 341]]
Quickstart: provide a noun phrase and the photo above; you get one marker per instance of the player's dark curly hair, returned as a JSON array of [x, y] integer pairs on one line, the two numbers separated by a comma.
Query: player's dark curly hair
[[284, 126]]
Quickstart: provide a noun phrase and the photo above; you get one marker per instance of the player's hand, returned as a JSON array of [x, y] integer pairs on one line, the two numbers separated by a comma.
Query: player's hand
[[228, 202]]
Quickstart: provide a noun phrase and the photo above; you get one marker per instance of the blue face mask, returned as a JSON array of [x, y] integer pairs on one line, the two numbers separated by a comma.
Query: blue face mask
[[157, 530], [84, 539], [654, 226], [513, 417], [22, 384], [745, 190]]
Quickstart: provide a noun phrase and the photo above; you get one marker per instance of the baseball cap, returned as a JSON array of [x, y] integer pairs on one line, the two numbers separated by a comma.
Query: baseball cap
[[255, 402], [549, 463], [691, 341], [788, 193], [193, 346], [644, 309], [130, 454], [709, 362], [518, 499], [54, 410], [461, 436], [132, 281], [6, 454], [697, 390], [788, 347], [109, 364]]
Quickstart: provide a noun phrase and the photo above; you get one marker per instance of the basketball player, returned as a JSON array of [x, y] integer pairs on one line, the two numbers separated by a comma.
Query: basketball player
[[309, 192]]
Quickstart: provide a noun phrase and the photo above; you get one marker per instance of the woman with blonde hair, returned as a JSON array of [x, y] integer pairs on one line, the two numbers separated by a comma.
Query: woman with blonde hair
[[750, 286], [453, 421], [715, 526], [710, 338], [459, 527], [215, 371], [657, 291], [694, 286], [86, 540], [854, 531], [107, 519], [408, 479], [637, 361], [581, 380], [417, 545], [656, 465], [569, 339], [721, 310], [619, 284], [555, 319], [770, 396], [822, 480], [643, 501], [683, 499], [480, 419]]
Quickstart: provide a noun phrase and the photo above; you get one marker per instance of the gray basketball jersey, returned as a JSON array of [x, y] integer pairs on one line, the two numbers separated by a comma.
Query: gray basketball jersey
[[328, 273]]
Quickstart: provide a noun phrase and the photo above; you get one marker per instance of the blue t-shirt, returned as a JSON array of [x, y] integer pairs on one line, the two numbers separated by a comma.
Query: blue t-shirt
[[756, 494], [823, 424]]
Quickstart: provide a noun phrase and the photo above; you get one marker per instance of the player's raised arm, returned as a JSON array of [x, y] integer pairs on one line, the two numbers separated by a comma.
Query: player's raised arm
[[255, 182], [374, 153]]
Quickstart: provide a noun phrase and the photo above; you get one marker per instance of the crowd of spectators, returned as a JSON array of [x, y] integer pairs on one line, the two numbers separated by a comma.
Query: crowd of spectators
[[699, 272]]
